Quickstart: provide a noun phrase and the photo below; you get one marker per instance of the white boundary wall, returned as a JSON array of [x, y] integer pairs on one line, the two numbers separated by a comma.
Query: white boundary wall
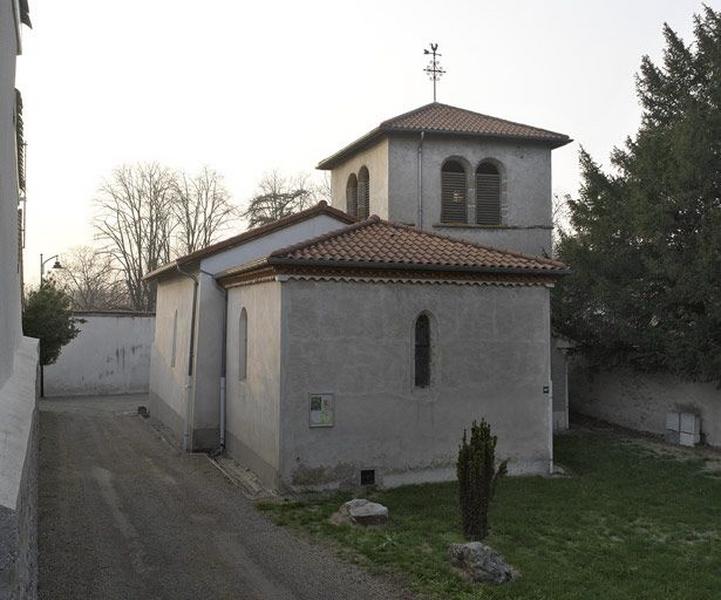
[[110, 355], [641, 401]]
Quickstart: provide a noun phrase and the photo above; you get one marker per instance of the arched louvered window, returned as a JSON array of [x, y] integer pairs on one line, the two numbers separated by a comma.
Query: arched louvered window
[[453, 192], [488, 194], [243, 345], [363, 193], [423, 351], [351, 195]]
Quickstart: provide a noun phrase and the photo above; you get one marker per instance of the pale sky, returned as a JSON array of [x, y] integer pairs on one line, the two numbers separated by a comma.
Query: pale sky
[[246, 87]]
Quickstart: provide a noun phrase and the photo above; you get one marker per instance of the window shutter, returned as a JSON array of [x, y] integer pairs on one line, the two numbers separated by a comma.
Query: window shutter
[[488, 198], [351, 196], [363, 194], [453, 197]]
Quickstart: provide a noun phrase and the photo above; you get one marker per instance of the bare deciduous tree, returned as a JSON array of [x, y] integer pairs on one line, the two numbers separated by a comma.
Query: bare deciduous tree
[[277, 197], [92, 280], [202, 209], [323, 190], [136, 221]]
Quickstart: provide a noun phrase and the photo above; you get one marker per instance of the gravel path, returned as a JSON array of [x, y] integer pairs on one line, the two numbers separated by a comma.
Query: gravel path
[[125, 515]]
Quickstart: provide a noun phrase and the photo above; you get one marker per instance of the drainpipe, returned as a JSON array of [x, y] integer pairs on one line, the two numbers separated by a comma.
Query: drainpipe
[[188, 433], [221, 449], [419, 186]]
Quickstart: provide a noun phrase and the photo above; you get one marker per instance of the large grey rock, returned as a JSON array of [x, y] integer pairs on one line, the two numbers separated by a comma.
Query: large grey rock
[[481, 563], [360, 511]]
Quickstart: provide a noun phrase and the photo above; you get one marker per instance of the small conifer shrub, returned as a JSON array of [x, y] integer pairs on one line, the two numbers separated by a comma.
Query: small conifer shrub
[[477, 478]]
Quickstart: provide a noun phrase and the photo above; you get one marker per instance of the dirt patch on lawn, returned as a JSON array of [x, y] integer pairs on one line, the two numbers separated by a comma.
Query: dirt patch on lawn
[[653, 443]]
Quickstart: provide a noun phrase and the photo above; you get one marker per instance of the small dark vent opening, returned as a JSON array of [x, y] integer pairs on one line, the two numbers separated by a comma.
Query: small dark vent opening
[[368, 477]]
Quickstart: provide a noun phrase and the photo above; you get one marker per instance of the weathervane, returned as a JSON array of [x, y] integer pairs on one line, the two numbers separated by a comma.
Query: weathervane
[[434, 69]]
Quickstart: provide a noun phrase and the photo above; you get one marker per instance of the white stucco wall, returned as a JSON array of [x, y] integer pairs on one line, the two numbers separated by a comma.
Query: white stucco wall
[[641, 400], [375, 159], [110, 355], [168, 392], [252, 410], [174, 401], [10, 331], [355, 340], [262, 246], [18, 357]]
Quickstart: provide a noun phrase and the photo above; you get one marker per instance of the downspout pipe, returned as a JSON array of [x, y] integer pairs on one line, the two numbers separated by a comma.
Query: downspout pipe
[[419, 185], [223, 360], [188, 433]]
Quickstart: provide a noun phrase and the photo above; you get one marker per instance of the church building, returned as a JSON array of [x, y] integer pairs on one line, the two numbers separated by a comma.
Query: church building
[[352, 344]]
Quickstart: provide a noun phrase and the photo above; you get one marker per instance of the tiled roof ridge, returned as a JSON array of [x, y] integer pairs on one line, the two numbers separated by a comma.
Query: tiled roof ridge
[[550, 133]]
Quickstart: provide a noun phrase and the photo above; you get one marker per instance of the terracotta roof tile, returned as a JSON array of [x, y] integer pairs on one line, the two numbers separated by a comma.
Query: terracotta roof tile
[[450, 119], [446, 119], [380, 244]]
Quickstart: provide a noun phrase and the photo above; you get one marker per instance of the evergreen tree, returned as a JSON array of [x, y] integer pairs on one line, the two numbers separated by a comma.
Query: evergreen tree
[[646, 252], [477, 479], [47, 316]]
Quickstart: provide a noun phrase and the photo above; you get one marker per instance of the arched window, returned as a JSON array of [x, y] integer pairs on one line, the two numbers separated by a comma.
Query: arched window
[[453, 192], [423, 351], [351, 195], [488, 194], [363, 193], [243, 345]]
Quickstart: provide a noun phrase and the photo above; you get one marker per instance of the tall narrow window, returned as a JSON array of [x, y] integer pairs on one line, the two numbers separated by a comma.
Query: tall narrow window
[[243, 345], [174, 346], [363, 193], [488, 194], [351, 195], [423, 351], [453, 192]]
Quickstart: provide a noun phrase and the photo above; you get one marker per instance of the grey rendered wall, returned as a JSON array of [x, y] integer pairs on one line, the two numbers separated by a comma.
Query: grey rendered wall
[[168, 392], [526, 189], [110, 355], [355, 340], [19, 477], [375, 159], [252, 405], [641, 400]]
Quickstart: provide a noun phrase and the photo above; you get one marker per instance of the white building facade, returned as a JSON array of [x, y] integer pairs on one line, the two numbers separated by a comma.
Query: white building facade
[[18, 354]]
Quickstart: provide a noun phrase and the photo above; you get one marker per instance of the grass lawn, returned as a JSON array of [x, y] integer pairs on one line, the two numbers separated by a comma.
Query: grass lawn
[[635, 520]]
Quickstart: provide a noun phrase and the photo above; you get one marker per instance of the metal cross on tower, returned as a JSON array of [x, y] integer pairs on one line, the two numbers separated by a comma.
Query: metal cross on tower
[[434, 70]]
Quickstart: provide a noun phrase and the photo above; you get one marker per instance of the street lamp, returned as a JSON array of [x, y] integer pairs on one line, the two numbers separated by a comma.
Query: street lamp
[[56, 265]]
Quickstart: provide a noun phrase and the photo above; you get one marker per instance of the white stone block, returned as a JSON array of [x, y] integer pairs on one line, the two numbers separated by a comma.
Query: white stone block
[[689, 439], [690, 423], [673, 421]]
